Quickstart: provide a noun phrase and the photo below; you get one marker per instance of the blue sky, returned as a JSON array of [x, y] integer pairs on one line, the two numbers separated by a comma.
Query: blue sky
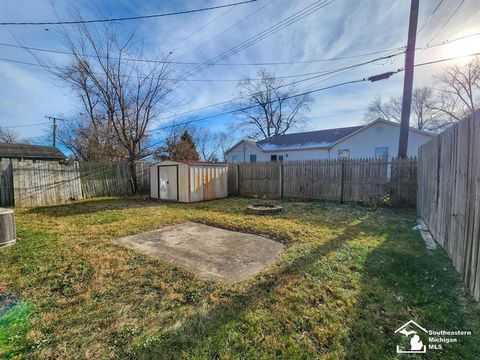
[[343, 28]]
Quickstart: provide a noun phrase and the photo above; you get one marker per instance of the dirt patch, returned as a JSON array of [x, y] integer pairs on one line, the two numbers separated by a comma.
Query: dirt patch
[[208, 251], [7, 300]]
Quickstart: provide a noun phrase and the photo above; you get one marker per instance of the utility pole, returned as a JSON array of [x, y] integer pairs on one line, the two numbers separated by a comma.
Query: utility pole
[[54, 128], [408, 80]]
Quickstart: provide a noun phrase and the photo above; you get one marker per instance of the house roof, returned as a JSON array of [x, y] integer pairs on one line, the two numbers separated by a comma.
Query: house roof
[[27, 151], [307, 140], [315, 139]]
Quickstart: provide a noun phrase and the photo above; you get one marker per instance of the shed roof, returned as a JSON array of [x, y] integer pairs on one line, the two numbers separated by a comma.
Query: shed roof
[[27, 151]]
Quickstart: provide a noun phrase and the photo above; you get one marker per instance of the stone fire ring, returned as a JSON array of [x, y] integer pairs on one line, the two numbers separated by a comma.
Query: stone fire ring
[[264, 209]]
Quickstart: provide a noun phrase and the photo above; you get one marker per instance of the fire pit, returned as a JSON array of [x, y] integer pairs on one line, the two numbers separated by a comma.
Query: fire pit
[[264, 209]]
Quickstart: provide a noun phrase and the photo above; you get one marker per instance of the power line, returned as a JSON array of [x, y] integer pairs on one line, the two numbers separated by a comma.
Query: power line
[[292, 83], [253, 106], [226, 30], [22, 126], [441, 43], [307, 92], [430, 16], [195, 32], [315, 74], [447, 59], [296, 95], [306, 11], [201, 63], [126, 18], [260, 36], [447, 21], [446, 42]]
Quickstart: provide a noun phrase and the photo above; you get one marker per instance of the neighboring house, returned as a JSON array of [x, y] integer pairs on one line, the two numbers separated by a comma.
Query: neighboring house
[[378, 139], [30, 152]]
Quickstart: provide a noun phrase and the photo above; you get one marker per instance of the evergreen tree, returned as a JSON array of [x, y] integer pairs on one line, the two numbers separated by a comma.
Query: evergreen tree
[[183, 149]]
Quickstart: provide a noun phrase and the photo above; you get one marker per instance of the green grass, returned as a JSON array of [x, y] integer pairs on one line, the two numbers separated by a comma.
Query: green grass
[[13, 329], [350, 276]]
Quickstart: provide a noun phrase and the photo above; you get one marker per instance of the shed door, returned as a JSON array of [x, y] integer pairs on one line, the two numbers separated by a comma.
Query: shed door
[[167, 182]]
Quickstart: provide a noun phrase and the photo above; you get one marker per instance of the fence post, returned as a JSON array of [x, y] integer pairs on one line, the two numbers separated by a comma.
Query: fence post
[[281, 180], [342, 179], [237, 178]]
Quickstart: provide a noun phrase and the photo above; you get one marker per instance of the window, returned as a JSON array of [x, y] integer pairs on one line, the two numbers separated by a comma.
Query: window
[[381, 153], [273, 157], [253, 158], [280, 157], [235, 158], [344, 154]]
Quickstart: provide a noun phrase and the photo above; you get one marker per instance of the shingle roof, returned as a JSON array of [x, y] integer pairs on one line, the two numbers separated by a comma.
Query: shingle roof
[[307, 140], [27, 151]]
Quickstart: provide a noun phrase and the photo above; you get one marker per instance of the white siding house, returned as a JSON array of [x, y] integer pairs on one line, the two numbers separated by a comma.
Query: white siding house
[[379, 139]]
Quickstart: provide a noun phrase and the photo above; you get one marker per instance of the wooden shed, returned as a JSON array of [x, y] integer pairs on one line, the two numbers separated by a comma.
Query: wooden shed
[[188, 181]]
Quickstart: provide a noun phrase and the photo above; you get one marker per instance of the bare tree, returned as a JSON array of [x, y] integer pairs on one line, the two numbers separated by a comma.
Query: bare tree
[[90, 141], [459, 90], [122, 95], [9, 136], [269, 107], [388, 110], [208, 144], [423, 115], [226, 140]]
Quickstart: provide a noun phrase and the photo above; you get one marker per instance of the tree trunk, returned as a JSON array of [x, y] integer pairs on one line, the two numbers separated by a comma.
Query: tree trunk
[[133, 171], [7, 227]]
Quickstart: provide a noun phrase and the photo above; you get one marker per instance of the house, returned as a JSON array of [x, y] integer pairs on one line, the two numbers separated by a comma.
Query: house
[[30, 152], [378, 139]]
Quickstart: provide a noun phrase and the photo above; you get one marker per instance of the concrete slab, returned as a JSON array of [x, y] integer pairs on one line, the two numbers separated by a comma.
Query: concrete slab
[[208, 251]]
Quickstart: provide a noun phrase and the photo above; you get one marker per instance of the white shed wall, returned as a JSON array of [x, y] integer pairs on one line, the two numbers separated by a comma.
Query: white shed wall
[[195, 182]]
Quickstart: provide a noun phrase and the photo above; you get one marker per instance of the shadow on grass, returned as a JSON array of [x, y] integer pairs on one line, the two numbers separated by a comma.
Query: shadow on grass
[[185, 338], [403, 281], [95, 205]]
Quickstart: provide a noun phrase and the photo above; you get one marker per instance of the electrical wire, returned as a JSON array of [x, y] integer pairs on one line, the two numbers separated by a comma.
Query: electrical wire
[[125, 18], [22, 126], [430, 16], [225, 31], [253, 106], [447, 21], [306, 11], [350, 67], [200, 63], [200, 29], [446, 42], [440, 43], [315, 74], [303, 93]]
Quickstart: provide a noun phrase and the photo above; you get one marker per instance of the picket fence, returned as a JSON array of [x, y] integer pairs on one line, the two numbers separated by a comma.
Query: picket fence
[[449, 195], [26, 183], [366, 181]]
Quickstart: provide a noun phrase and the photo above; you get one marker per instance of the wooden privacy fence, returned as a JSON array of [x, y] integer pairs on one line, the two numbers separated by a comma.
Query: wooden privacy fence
[[37, 183], [365, 181], [449, 195], [45, 182]]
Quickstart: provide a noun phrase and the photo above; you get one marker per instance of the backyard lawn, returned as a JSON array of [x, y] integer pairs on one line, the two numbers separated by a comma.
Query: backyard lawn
[[350, 276]]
